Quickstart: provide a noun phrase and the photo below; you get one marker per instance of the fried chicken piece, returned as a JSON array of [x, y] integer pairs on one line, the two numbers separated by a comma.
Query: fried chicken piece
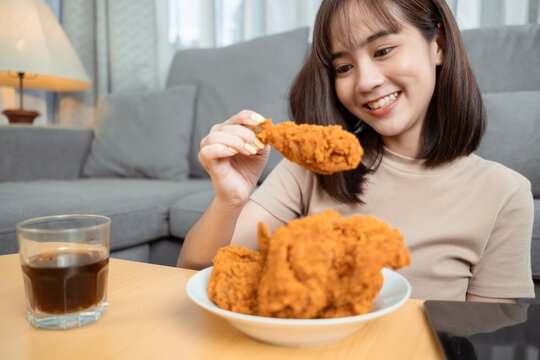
[[320, 266], [321, 149], [325, 266], [263, 239], [235, 278], [236, 274]]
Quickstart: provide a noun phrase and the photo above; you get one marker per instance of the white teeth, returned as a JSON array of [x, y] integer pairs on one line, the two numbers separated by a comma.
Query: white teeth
[[382, 102]]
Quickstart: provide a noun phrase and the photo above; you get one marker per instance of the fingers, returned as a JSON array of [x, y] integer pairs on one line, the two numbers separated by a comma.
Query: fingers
[[232, 137], [235, 138], [234, 134], [215, 152], [245, 117]]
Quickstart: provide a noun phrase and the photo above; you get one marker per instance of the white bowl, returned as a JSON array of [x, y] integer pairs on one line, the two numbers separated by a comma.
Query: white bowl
[[303, 332]]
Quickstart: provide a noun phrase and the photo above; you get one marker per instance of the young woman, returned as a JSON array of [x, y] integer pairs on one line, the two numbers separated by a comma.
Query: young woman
[[395, 73]]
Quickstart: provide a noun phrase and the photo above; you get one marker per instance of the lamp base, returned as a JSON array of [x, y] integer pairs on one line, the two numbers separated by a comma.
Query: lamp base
[[20, 116]]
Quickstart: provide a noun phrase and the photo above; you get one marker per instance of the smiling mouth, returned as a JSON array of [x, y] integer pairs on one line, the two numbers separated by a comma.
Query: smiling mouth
[[382, 102]]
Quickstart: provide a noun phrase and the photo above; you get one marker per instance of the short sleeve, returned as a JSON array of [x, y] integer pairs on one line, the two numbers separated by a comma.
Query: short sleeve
[[504, 269], [284, 192]]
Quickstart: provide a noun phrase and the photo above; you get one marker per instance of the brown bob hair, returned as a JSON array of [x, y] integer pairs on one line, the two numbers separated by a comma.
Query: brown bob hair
[[455, 119]]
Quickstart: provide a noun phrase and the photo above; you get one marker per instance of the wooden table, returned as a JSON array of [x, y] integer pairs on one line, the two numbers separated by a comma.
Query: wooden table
[[150, 317]]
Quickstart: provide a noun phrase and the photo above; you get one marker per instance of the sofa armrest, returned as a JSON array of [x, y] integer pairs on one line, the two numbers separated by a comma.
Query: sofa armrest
[[33, 152]]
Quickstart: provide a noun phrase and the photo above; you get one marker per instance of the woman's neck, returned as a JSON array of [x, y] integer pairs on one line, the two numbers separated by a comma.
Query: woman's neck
[[406, 147]]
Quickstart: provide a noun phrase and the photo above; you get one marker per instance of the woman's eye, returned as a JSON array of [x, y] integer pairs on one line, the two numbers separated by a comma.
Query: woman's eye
[[383, 52], [342, 69]]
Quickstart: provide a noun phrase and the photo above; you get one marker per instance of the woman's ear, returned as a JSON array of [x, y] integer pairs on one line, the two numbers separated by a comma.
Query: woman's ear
[[440, 42]]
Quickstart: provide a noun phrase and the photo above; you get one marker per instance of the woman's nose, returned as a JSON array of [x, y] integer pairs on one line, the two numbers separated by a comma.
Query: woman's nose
[[369, 76]]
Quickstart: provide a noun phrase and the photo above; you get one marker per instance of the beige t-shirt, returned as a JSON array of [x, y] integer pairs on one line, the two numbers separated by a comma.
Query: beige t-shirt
[[467, 224]]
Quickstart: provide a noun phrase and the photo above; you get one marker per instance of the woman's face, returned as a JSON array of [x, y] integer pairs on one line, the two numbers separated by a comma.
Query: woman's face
[[387, 80]]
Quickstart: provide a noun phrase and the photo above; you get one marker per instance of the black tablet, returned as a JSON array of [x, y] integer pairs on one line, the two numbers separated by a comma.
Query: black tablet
[[474, 330]]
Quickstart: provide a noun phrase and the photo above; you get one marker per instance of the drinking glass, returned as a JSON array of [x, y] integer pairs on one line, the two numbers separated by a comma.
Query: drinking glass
[[65, 261]]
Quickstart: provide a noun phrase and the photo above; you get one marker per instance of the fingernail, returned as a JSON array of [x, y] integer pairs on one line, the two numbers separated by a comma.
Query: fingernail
[[233, 150], [259, 144], [250, 148], [258, 118]]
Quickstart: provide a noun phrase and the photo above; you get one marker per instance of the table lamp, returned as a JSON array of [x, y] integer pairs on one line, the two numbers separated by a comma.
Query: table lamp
[[36, 53]]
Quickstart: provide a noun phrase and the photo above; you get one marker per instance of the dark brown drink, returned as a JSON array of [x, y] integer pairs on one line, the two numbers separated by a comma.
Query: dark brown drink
[[66, 281]]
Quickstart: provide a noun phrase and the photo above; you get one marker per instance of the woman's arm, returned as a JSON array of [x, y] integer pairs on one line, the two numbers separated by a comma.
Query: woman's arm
[[234, 159], [222, 225], [213, 230], [245, 232]]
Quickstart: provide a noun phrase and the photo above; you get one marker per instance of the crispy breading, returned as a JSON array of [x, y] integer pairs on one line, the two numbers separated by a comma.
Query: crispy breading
[[320, 266], [235, 278], [321, 149], [327, 266]]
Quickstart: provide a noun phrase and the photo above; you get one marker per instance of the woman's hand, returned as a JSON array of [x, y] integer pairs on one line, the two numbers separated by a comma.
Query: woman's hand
[[234, 158]]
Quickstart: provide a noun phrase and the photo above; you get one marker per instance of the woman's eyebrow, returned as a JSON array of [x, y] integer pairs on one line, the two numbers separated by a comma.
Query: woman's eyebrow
[[363, 43]]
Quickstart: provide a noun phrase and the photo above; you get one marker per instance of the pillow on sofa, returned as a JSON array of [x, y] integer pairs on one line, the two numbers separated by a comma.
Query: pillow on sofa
[[504, 58], [255, 75], [143, 135], [512, 133]]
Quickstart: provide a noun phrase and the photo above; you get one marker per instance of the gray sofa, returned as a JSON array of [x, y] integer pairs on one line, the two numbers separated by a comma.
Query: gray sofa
[[43, 169], [506, 62], [140, 165]]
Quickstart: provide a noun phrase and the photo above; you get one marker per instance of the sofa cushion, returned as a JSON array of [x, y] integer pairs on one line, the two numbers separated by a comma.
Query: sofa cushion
[[143, 135], [139, 208], [505, 58], [165, 251], [186, 211], [27, 152], [139, 253], [512, 133], [253, 75]]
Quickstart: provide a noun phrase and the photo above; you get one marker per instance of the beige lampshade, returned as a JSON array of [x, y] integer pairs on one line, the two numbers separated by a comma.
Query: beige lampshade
[[33, 42]]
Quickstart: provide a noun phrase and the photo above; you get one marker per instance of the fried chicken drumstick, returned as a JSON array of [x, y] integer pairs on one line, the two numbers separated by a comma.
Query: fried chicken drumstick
[[320, 266], [321, 149]]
